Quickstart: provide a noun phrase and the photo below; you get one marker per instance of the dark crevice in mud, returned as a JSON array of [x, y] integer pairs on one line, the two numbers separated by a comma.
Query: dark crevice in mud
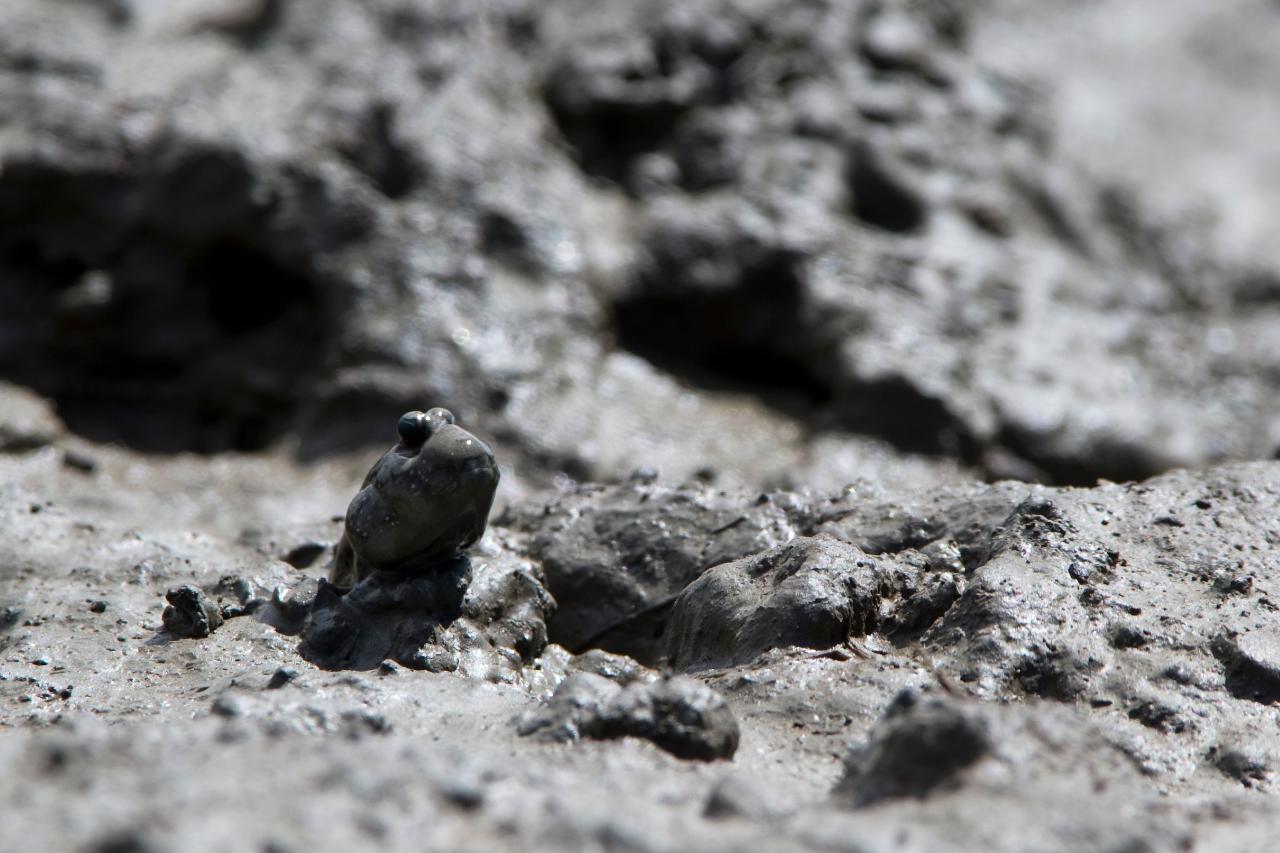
[[725, 314], [251, 25], [644, 636], [745, 339], [915, 614], [378, 152], [508, 242], [880, 197], [897, 411], [606, 136], [1247, 683], [612, 109], [640, 636], [738, 337], [1107, 460], [150, 310], [1247, 676], [245, 289]]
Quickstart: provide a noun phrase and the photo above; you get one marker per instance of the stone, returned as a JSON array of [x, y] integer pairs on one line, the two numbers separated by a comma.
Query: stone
[[815, 592], [679, 714], [190, 613], [922, 745], [616, 558]]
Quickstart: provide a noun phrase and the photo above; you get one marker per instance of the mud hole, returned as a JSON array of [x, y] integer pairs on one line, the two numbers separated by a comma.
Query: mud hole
[[99, 264]]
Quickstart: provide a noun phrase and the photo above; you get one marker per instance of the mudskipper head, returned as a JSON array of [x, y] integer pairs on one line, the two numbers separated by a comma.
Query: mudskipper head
[[426, 499]]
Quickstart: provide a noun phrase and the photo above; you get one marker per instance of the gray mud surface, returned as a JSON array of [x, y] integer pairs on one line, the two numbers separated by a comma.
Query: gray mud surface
[[886, 397]]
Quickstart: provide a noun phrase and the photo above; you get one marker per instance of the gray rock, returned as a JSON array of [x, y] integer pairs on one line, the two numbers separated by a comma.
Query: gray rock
[[570, 712], [617, 668], [923, 745], [681, 715], [289, 607], [511, 605], [740, 796], [932, 759], [27, 421], [616, 558], [190, 613], [809, 592]]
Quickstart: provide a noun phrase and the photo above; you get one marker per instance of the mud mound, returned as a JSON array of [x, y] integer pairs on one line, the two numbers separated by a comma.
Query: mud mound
[[826, 219]]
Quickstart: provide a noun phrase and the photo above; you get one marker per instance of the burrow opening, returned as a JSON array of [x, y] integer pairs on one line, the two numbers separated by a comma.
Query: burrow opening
[[732, 337], [377, 151], [150, 307], [880, 197], [607, 134], [745, 332]]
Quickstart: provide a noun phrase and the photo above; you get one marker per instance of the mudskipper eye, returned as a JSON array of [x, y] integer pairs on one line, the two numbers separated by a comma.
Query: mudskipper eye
[[438, 417], [414, 428]]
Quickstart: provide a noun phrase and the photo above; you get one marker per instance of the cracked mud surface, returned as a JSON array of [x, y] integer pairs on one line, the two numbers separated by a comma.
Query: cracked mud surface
[[884, 395]]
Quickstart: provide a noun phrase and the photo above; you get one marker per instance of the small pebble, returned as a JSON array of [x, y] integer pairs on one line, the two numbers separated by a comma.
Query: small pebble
[[284, 675], [79, 461], [644, 474]]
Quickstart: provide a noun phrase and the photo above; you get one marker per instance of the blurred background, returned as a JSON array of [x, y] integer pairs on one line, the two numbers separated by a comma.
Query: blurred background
[[764, 244]]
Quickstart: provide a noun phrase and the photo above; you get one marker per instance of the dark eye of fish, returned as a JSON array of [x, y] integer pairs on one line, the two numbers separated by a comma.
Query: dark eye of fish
[[414, 428], [438, 417]]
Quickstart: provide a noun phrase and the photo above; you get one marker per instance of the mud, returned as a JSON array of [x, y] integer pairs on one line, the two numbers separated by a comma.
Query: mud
[[884, 397], [597, 233], [680, 715], [1093, 650]]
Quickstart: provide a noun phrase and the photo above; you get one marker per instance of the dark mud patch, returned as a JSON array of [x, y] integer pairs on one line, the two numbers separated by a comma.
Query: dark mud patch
[[1252, 666], [740, 332], [376, 149], [881, 196], [152, 307]]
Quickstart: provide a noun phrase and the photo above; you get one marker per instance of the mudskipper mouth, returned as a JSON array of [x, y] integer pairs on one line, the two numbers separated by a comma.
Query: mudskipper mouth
[[480, 465]]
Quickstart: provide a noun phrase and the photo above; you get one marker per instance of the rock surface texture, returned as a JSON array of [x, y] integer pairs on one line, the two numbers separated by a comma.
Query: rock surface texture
[[887, 462]]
